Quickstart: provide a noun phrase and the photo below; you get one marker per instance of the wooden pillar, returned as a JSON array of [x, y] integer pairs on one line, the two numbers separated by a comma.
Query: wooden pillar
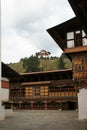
[[32, 106], [12, 106], [20, 93], [68, 91], [60, 105], [60, 92], [20, 105], [45, 105]]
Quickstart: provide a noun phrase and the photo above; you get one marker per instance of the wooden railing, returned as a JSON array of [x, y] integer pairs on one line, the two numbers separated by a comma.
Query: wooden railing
[[63, 94], [22, 95]]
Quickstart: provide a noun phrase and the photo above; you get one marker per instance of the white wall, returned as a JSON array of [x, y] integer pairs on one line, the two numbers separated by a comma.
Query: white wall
[[2, 113], [2, 110], [0, 94], [82, 103], [4, 94]]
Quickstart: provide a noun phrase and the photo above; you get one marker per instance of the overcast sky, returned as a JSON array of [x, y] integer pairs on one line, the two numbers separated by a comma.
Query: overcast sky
[[24, 25]]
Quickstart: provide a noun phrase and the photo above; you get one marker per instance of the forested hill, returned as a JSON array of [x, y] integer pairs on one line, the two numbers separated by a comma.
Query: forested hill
[[34, 64]]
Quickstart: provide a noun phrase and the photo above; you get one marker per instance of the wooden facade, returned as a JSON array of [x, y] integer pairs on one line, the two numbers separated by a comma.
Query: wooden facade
[[71, 36], [80, 66], [7, 75], [44, 90]]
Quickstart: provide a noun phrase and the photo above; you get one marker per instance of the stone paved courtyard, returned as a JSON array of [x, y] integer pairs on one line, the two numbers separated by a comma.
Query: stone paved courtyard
[[43, 120]]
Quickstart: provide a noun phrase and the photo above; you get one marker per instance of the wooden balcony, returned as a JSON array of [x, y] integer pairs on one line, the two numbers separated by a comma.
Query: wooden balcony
[[51, 95], [76, 49], [63, 98], [58, 94], [62, 83]]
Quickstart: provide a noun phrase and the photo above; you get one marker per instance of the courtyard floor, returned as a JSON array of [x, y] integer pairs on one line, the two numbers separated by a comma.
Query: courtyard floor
[[43, 120]]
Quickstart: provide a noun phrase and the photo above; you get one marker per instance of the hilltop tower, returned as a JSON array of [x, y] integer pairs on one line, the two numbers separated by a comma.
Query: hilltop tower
[[43, 54]]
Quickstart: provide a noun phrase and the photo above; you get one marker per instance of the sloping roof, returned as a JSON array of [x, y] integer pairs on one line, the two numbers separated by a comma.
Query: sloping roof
[[8, 72], [47, 72], [58, 33], [80, 9]]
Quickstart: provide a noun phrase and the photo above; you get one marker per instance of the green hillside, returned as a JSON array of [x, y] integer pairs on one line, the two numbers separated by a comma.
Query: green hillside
[[18, 67], [48, 64], [42, 64]]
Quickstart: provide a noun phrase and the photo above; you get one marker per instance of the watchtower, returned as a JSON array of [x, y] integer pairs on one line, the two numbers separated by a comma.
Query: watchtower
[[71, 36]]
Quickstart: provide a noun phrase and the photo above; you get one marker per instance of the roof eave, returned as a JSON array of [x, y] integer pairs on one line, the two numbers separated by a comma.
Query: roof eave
[[80, 9]]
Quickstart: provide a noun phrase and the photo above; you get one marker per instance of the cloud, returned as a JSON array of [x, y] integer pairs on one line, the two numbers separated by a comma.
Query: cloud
[[19, 47], [24, 24]]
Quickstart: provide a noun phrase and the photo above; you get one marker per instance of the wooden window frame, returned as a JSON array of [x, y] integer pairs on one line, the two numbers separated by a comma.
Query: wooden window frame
[[78, 38]]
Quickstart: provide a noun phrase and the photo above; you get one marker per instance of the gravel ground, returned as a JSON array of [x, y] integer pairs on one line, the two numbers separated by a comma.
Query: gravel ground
[[43, 120]]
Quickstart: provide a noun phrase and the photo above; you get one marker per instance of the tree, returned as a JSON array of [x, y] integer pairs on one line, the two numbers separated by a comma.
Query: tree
[[63, 56], [61, 63], [31, 64]]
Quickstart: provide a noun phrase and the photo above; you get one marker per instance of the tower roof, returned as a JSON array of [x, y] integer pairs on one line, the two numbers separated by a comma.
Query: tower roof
[[58, 33], [80, 9]]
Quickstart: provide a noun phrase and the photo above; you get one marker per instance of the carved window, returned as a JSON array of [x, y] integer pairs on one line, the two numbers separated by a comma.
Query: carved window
[[86, 61], [79, 68], [82, 68], [84, 38], [84, 41], [83, 33], [70, 44], [86, 75], [70, 35], [83, 61], [78, 38], [70, 39], [36, 91], [74, 39]]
